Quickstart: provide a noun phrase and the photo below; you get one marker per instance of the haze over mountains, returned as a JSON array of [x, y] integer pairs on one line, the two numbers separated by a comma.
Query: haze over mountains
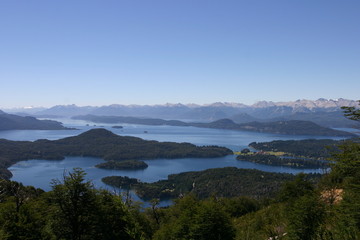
[[14, 122], [322, 111]]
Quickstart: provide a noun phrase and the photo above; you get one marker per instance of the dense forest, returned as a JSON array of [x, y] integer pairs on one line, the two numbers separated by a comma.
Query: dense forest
[[308, 148], [223, 182], [283, 161], [103, 144]]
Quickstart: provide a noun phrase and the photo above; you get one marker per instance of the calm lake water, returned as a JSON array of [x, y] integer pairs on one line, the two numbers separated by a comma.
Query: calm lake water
[[39, 173]]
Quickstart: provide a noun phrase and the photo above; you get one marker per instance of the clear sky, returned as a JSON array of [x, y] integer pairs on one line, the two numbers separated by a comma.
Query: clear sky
[[190, 51]]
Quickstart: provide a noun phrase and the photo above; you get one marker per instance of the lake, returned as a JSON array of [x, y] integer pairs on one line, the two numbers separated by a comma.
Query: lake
[[39, 173]]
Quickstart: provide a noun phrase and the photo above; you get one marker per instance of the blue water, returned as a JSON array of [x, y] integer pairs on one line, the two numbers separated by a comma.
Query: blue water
[[40, 173]]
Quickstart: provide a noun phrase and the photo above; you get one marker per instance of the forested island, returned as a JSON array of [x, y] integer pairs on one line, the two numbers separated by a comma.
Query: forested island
[[222, 182], [103, 144], [15, 122], [308, 153], [307, 148], [273, 160], [292, 127], [123, 165]]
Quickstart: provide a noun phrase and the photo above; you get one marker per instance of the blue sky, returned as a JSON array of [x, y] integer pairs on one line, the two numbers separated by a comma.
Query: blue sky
[[190, 51]]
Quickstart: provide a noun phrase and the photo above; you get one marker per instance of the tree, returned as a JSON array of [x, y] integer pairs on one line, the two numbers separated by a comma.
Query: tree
[[297, 188], [22, 212], [74, 200], [352, 112], [212, 223], [191, 219], [305, 216], [114, 220], [79, 211]]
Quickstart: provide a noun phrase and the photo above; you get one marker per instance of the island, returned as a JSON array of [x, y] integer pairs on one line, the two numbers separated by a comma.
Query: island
[[291, 127], [307, 153], [268, 159], [123, 165], [117, 127], [220, 182], [103, 144], [320, 149], [120, 181], [15, 122]]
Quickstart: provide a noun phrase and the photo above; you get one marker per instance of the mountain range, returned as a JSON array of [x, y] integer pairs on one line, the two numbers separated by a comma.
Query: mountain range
[[325, 112]]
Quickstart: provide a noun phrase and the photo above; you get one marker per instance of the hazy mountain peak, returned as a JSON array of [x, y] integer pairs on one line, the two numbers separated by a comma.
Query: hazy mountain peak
[[263, 104], [309, 104], [226, 104]]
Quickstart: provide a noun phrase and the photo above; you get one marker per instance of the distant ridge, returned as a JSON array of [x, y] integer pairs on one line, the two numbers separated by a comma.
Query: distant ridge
[[292, 127], [262, 111], [14, 122]]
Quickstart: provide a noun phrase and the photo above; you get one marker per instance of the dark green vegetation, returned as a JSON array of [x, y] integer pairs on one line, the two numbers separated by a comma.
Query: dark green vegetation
[[14, 122], [292, 127], [223, 182], [308, 153], [283, 161], [325, 210], [352, 113], [308, 148], [120, 182], [72, 210], [103, 144], [123, 165]]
